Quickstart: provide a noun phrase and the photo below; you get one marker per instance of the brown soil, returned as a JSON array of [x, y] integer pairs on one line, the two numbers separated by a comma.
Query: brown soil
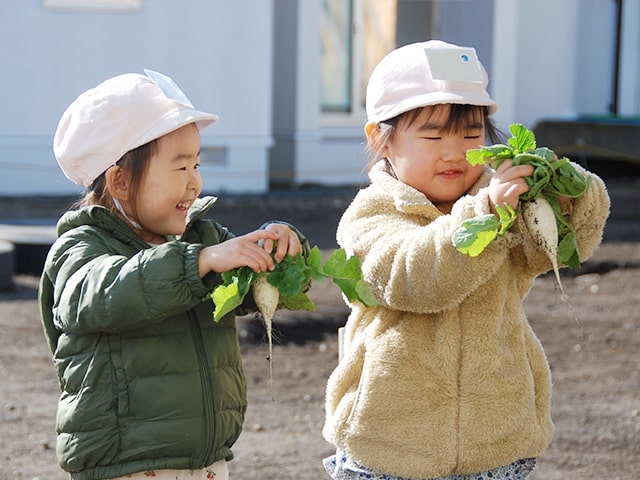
[[595, 365]]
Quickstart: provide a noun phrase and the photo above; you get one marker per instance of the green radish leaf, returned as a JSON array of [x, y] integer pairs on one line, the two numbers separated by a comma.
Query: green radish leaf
[[347, 274], [474, 242], [364, 294], [291, 277], [226, 299], [314, 261], [348, 287], [338, 266], [300, 301], [567, 244], [551, 178], [482, 155], [230, 295], [506, 216], [568, 250], [545, 154], [288, 278], [478, 232], [559, 166], [523, 139], [475, 234], [476, 157]]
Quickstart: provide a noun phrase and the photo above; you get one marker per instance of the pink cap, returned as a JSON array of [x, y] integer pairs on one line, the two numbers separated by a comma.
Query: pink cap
[[119, 115], [426, 73]]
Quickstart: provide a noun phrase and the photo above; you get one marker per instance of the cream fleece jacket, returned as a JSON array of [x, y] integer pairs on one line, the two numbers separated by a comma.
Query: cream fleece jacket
[[446, 376]]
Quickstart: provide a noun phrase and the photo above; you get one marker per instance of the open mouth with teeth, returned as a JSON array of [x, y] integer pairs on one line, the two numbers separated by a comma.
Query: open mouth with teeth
[[184, 206], [450, 173]]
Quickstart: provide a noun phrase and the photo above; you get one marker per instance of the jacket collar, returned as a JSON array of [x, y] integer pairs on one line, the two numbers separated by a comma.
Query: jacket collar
[[409, 200], [98, 216]]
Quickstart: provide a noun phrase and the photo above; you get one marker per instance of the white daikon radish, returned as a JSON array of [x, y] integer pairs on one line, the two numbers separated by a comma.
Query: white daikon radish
[[541, 223], [266, 297]]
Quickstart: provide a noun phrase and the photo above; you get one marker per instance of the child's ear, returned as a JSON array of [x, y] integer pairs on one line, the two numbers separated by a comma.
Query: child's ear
[[118, 183], [372, 131]]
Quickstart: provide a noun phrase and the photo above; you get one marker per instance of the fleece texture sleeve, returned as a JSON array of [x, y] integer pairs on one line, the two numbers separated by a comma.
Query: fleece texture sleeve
[[405, 244]]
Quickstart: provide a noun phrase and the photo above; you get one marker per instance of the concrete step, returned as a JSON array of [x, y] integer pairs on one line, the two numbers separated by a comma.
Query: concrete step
[[31, 239], [6, 265]]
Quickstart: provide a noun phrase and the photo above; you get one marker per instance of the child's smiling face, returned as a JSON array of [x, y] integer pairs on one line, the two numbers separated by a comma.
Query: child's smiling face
[[431, 158], [170, 185]]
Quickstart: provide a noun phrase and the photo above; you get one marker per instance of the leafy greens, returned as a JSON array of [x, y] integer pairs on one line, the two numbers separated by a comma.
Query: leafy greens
[[551, 178], [292, 277]]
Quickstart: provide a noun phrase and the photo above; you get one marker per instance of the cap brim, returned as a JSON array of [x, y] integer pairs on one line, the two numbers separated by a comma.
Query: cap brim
[[173, 122], [205, 119], [435, 98], [163, 127]]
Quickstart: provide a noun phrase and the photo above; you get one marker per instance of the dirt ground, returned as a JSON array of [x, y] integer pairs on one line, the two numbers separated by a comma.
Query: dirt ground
[[595, 365]]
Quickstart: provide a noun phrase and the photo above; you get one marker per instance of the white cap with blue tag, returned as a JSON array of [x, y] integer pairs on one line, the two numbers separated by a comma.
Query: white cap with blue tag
[[426, 73], [119, 115]]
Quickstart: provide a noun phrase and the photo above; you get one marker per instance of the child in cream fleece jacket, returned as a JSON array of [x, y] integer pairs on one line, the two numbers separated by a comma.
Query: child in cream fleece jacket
[[445, 379]]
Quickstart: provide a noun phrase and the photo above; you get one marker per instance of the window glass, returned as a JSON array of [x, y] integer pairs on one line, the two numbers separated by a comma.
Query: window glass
[[379, 20], [356, 34], [336, 40]]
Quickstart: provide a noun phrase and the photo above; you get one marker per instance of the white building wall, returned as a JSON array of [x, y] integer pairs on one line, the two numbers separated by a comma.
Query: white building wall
[[256, 63], [629, 101], [308, 148], [324, 154], [218, 51], [535, 56], [545, 58], [594, 66], [555, 59]]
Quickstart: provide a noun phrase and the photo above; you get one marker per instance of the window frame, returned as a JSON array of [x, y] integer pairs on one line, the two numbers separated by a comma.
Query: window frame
[[356, 111], [93, 5], [356, 114]]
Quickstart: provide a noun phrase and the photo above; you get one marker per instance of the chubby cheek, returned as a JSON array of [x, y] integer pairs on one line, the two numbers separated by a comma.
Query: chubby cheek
[[473, 174], [198, 185]]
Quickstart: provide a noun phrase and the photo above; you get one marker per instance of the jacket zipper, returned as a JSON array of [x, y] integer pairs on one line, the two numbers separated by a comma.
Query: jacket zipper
[[207, 394]]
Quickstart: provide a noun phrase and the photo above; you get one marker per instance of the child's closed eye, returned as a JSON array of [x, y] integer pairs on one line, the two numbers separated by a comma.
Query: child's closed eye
[[186, 167]]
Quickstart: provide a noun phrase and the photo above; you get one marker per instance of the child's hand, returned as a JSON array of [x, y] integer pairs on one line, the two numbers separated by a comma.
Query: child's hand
[[244, 251], [288, 241], [508, 183]]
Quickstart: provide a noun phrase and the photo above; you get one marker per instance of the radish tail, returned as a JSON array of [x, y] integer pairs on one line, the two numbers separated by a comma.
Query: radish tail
[[541, 223], [267, 297]]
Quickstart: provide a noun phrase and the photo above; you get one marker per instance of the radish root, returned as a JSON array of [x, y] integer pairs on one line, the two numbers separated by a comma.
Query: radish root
[[267, 297], [541, 223]]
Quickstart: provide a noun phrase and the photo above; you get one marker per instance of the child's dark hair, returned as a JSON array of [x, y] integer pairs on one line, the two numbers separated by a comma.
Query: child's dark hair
[[459, 119], [134, 163]]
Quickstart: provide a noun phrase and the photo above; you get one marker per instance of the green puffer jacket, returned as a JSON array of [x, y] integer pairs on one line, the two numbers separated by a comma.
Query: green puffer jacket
[[148, 380]]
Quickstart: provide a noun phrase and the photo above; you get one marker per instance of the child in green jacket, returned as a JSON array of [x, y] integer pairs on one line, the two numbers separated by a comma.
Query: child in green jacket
[[150, 385]]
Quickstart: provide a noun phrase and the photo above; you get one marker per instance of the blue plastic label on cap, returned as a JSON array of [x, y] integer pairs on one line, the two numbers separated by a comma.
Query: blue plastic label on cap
[[168, 87], [454, 64]]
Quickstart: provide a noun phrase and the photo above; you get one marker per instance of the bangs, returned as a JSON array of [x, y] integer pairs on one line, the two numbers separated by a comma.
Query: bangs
[[457, 118], [461, 118]]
